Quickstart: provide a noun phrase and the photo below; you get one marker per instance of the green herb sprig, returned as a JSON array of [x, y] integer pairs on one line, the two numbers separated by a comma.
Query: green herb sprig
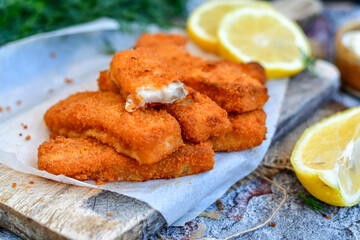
[[313, 204], [21, 18], [309, 63]]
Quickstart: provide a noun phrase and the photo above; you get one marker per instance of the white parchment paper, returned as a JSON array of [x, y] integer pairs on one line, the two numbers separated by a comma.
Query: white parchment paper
[[178, 200]]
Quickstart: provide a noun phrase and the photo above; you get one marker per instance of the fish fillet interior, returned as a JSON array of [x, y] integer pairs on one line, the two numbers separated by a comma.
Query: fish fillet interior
[[167, 94]]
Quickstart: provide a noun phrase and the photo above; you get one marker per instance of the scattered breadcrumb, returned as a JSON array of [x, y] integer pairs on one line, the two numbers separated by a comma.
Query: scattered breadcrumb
[[285, 215], [28, 137], [329, 217], [273, 224], [25, 126], [13, 185], [31, 182], [8, 108], [69, 81], [20, 134], [41, 200], [110, 214], [51, 90], [333, 211], [18, 102], [52, 55], [52, 135], [1, 109]]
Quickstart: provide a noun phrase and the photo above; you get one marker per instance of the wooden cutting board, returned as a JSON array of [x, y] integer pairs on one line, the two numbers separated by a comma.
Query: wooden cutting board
[[37, 208]]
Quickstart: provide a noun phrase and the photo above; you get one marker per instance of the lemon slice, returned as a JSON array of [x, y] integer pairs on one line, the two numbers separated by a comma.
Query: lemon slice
[[203, 22], [326, 159], [266, 36]]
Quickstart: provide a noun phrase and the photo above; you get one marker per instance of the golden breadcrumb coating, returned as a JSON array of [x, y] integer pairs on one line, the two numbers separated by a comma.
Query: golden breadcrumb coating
[[233, 91], [146, 134], [249, 131], [89, 159], [236, 87], [160, 39], [105, 83], [199, 117]]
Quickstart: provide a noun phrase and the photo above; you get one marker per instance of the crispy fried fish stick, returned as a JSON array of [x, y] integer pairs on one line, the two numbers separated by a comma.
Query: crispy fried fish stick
[[160, 39], [146, 135], [231, 90], [199, 117], [86, 158], [144, 78], [249, 131]]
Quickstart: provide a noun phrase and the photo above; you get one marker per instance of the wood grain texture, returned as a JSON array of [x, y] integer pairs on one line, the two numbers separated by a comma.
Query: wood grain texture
[[52, 210], [305, 94]]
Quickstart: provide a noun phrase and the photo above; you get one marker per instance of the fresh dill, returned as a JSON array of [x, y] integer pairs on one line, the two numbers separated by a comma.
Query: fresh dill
[[309, 63], [21, 18], [313, 204], [108, 48]]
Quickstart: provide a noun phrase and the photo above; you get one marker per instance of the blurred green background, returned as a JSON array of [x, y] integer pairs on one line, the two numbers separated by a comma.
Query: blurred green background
[[21, 18]]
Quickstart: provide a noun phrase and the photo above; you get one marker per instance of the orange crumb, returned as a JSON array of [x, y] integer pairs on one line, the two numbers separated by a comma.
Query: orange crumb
[[272, 199], [51, 90], [329, 217], [28, 137], [22, 124], [31, 182], [25, 126], [41, 200], [99, 182], [333, 211], [273, 224], [52, 55], [28, 187], [74, 210], [285, 215], [283, 180], [110, 214], [8, 108], [52, 135], [1, 109], [68, 80], [18, 102], [13, 185]]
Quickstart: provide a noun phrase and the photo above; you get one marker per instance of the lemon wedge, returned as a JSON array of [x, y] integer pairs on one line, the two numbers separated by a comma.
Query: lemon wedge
[[326, 159], [264, 35], [203, 22]]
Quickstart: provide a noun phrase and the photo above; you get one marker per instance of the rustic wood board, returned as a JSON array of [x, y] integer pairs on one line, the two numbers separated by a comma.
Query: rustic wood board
[[52, 210]]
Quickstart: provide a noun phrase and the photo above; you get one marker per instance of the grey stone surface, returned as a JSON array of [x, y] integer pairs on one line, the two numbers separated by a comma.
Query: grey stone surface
[[253, 203]]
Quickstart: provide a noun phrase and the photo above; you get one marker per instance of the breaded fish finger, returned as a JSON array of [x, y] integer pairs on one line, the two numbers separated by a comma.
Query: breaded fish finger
[[199, 117], [249, 131], [89, 159], [233, 91], [144, 78], [146, 135]]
